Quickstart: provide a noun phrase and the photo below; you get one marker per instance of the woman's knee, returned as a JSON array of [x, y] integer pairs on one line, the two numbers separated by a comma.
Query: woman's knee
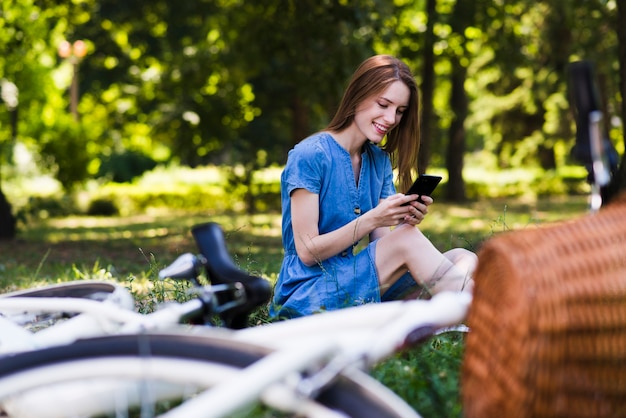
[[462, 258], [409, 234], [461, 255]]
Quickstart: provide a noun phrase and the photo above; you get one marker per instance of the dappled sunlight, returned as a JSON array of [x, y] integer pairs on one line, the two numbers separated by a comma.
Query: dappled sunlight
[[474, 222], [73, 222], [102, 234], [182, 175], [139, 245]]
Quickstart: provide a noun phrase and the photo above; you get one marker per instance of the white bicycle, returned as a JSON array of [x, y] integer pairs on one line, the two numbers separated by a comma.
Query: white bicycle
[[105, 359]]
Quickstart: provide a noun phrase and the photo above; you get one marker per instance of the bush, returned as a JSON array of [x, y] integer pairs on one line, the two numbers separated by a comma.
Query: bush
[[43, 207], [124, 167], [102, 207]]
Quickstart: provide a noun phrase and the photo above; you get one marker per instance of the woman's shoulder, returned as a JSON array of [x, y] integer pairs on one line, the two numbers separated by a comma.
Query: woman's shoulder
[[316, 144], [316, 140]]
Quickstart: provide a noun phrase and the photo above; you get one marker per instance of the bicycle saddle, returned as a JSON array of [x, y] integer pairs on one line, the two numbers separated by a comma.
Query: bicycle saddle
[[221, 269]]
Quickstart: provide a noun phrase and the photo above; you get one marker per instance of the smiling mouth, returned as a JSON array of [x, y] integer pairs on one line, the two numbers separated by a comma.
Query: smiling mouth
[[380, 128]]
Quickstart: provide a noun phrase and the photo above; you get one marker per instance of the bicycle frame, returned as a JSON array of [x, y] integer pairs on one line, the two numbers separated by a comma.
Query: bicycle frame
[[390, 325], [298, 359], [346, 341], [95, 319], [328, 344], [592, 148]]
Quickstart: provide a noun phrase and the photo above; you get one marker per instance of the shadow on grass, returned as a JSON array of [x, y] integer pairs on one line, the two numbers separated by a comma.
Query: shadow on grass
[[131, 245]]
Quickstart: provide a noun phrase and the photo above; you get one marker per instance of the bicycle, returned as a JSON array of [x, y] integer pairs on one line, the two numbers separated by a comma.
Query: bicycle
[[312, 366], [592, 148]]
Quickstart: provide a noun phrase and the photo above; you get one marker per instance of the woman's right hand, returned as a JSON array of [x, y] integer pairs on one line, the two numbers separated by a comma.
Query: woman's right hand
[[393, 210]]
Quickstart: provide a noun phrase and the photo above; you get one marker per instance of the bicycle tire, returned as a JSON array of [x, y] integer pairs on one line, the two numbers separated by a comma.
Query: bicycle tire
[[354, 397], [84, 289]]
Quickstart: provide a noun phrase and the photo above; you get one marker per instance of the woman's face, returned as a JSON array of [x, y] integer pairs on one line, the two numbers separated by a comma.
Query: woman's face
[[380, 113]]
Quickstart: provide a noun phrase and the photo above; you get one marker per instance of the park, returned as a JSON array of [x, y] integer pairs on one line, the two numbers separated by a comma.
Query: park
[[124, 124]]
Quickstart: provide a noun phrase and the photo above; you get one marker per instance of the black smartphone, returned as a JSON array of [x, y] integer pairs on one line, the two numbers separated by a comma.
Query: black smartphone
[[424, 186]]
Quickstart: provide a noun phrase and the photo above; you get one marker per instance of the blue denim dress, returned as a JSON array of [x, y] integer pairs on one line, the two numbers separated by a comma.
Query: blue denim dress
[[320, 165]]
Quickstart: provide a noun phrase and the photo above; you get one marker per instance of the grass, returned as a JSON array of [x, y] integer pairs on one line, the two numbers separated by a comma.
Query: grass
[[47, 248], [54, 249], [131, 249]]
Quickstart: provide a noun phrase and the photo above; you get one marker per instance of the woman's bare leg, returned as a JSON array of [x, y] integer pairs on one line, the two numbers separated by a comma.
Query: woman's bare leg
[[465, 261], [406, 248]]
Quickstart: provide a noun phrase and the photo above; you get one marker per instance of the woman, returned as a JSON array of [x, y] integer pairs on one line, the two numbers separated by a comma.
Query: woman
[[337, 188]]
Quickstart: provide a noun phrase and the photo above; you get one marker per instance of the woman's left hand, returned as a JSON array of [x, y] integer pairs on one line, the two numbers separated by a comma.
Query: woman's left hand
[[418, 211]]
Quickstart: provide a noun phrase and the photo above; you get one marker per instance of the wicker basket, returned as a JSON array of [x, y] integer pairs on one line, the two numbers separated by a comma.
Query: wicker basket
[[548, 321]]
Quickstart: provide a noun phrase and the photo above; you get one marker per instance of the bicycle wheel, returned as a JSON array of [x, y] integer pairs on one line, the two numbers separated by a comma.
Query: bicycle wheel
[[84, 289], [148, 374]]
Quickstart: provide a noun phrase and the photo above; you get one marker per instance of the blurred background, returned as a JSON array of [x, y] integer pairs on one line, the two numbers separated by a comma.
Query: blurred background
[[112, 106]]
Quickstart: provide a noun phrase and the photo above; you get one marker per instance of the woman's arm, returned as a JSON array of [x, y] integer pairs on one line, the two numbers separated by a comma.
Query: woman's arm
[[313, 247]]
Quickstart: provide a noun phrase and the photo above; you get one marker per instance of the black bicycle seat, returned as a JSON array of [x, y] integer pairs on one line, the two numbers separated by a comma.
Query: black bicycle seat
[[221, 269]]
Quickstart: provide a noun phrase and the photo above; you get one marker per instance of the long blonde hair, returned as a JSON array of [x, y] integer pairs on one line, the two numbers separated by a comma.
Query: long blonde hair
[[372, 77]]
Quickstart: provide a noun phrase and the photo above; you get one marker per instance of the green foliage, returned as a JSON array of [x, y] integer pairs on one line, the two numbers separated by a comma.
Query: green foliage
[[125, 166], [237, 83], [44, 207], [150, 292], [132, 200], [525, 183], [519, 82], [102, 207], [427, 376], [204, 188], [209, 189], [64, 151]]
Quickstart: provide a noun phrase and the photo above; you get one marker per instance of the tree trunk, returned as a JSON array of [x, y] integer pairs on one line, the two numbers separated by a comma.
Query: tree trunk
[[547, 157], [428, 87], [300, 125], [7, 220], [462, 17], [456, 145]]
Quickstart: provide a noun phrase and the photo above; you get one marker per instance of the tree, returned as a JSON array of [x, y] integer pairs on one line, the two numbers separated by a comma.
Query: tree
[[461, 20], [296, 86], [427, 87], [23, 25], [238, 82], [10, 98]]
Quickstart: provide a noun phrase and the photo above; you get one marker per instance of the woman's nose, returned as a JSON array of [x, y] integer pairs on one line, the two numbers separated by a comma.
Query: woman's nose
[[390, 116]]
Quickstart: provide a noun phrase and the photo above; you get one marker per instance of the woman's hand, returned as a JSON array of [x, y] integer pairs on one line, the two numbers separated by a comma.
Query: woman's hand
[[400, 208], [418, 210]]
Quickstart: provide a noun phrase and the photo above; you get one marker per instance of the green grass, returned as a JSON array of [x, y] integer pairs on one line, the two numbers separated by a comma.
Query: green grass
[[427, 376], [51, 249], [133, 247]]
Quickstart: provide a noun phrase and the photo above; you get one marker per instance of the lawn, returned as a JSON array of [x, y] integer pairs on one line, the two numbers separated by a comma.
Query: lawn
[[50, 249], [132, 248]]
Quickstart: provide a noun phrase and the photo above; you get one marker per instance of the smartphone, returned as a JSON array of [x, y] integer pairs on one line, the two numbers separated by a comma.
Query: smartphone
[[424, 186]]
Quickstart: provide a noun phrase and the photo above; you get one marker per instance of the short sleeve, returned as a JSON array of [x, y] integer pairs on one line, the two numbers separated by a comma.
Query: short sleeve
[[304, 168]]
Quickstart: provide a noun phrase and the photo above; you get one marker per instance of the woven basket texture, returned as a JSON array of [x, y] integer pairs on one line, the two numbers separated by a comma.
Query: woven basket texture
[[548, 321]]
